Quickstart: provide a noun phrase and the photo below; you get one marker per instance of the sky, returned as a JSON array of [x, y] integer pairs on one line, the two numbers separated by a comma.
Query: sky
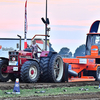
[[70, 20]]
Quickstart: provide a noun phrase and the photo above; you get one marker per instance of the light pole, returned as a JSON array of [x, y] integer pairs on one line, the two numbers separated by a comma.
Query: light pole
[[46, 29], [46, 22]]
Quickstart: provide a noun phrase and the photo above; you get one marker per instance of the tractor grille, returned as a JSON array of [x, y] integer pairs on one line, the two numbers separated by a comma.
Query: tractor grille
[[13, 53], [13, 58]]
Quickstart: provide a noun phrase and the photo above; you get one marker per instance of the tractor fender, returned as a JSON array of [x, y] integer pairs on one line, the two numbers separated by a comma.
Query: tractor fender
[[32, 59], [51, 53], [3, 58]]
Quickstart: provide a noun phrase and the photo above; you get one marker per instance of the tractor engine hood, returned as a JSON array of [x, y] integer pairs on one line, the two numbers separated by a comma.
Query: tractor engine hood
[[25, 53]]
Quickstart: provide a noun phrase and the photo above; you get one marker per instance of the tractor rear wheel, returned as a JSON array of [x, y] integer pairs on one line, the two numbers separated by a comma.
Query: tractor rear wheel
[[52, 68], [4, 77], [56, 68], [44, 63], [30, 72], [98, 74]]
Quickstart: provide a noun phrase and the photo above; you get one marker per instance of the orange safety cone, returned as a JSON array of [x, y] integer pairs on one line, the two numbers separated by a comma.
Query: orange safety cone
[[16, 89]]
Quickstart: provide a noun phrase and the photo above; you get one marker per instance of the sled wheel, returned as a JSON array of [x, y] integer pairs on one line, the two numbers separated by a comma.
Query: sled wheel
[[98, 74]]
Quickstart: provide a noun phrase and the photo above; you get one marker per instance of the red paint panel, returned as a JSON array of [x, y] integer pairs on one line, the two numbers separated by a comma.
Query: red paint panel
[[94, 50], [78, 67], [69, 60], [44, 54], [39, 41], [92, 67]]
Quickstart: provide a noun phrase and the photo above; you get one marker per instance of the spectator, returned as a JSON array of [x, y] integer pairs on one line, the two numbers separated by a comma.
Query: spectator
[[35, 49]]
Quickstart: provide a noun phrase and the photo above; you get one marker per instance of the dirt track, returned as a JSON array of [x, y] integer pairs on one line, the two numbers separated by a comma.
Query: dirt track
[[10, 85], [86, 96]]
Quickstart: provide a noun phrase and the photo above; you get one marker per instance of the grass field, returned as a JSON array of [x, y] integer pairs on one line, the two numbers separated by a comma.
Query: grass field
[[49, 91]]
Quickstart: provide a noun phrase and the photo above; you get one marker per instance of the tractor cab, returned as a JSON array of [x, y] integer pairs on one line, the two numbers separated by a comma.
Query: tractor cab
[[93, 40], [93, 44], [39, 41]]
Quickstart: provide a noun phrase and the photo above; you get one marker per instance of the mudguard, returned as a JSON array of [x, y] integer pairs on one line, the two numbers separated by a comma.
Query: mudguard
[[33, 59], [3, 58], [51, 53]]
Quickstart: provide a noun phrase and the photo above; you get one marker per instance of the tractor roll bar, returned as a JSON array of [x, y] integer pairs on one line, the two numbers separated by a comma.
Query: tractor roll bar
[[40, 35]]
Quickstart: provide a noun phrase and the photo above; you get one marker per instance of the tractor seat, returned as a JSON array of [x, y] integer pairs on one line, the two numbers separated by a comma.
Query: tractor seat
[[28, 50]]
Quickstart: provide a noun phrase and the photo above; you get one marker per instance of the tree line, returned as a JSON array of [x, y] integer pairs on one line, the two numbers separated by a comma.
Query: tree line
[[66, 53]]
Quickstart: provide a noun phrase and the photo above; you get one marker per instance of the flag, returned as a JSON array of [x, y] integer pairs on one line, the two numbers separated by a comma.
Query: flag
[[25, 31]]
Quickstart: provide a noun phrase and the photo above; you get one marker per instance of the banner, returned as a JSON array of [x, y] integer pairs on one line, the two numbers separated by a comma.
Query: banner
[[25, 32]]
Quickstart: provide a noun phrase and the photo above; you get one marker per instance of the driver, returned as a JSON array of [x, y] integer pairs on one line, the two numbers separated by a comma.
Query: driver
[[34, 49]]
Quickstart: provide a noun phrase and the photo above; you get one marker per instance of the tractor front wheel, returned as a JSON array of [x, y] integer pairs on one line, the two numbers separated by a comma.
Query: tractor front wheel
[[4, 77], [30, 72]]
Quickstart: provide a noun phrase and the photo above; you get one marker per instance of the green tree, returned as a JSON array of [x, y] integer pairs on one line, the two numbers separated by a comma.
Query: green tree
[[65, 52], [80, 51]]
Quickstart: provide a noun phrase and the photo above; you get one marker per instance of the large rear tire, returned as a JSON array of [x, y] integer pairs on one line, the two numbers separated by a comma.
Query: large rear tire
[[44, 63], [30, 72], [56, 68], [51, 69], [4, 77]]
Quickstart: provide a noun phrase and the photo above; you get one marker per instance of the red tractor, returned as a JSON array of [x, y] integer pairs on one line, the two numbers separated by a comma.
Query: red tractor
[[48, 67], [21, 64]]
